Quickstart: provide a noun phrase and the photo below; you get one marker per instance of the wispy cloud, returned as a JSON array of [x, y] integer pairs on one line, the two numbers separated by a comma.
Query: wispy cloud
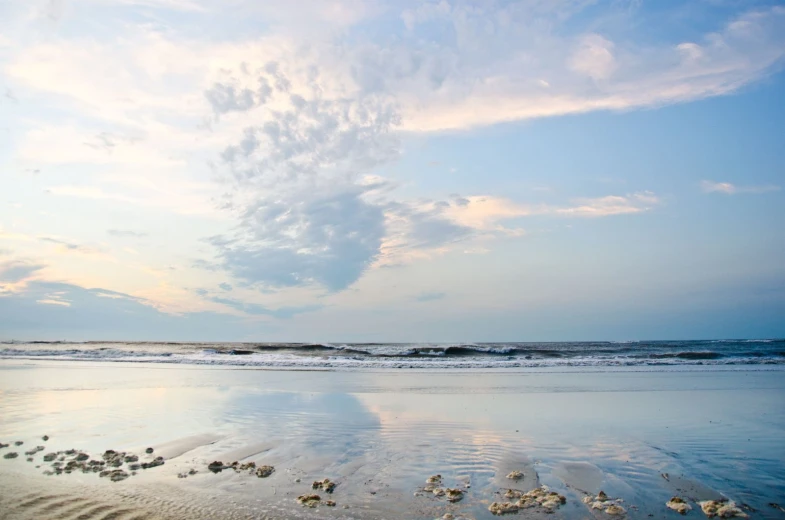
[[732, 189], [71, 246], [13, 271]]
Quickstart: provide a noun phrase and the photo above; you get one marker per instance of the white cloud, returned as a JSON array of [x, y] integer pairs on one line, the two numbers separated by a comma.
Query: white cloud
[[594, 57], [732, 189], [54, 302]]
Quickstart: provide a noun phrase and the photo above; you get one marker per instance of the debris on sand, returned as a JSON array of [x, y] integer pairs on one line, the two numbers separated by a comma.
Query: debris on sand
[[614, 509], [158, 461], [454, 494], [603, 502], [326, 485], [216, 466], [503, 508], [246, 466], [722, 509], [542, 496], [329, 503], [309, 500], [111, 457], [515, 475], [115, 475], [434, 479], [34, 450], [266, 471], [11, 455], [679, 505]]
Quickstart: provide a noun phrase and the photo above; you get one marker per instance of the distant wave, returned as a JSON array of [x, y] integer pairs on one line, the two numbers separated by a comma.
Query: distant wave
[[412, 355]]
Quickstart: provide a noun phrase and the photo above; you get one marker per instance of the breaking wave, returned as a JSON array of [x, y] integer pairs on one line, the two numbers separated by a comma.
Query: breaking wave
[[413, 355]]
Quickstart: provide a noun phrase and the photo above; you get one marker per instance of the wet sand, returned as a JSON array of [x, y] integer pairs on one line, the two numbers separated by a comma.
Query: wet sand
[[641, 437]]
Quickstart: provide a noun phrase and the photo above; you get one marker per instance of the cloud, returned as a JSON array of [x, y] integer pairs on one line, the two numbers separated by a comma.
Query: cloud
[[225, 286], [125, 233], [299, 186], [506, 63], [594, 57], [732, 189], [430, 296], [54, 302], [70, 246], [56, 311], [330, 240], [610, 205], [14, 271], [261, 310]]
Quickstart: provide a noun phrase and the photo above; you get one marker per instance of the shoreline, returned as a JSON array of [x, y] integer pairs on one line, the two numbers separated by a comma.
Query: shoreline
[[381, 435], [589, 369]]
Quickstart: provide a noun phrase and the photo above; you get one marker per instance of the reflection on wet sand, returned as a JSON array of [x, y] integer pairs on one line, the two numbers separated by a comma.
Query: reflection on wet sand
[[375, 448]]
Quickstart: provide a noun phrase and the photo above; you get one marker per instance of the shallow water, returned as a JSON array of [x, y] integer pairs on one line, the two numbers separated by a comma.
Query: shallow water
[[381, 434]]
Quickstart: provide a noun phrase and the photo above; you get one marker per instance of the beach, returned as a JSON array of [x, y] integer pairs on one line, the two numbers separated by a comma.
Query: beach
[[640, 435]]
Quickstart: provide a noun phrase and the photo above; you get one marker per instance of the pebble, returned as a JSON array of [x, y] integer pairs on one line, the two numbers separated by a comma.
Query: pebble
[[309, 500], [679, 505]]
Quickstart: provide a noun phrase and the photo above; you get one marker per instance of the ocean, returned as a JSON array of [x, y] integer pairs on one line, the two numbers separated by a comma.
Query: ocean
[[414, 355]]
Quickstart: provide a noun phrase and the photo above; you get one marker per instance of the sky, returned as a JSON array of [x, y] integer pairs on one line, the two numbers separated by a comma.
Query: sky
[[392, 170]]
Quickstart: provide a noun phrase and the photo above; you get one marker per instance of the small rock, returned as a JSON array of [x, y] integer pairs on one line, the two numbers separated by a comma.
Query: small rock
[[131, 458], [158, 461], [454, 494], [297, 480], [216, 466], [309, 500], [11, 455], [325, 484], [19, 443], [29, 459], [615, 510], [34, 450], [722, 509], [679, 505], [448, 516], [503, 508], [264, 471], [3, 445], [515, 475], [148, 451], [192, 471], [434, 479], [45, 438], [439, 492], [329, 503]]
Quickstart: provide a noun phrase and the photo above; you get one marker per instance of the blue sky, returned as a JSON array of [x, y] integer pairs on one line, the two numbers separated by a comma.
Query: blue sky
[[362, 170]]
